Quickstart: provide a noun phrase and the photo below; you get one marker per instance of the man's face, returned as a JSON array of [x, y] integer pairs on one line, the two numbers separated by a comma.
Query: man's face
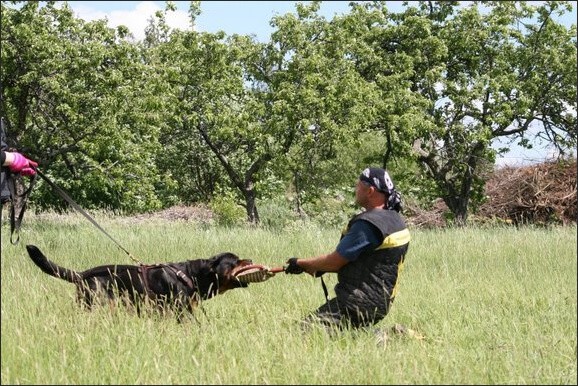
[[362, 190]]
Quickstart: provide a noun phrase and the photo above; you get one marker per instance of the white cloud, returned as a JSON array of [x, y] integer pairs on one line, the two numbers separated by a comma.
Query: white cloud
[[136, 19]]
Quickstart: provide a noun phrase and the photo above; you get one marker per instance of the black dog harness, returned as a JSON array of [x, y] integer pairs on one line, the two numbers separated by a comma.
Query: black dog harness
[[143, 269]]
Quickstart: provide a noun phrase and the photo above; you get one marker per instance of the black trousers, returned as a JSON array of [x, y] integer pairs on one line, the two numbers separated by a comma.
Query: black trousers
[[332, 315]]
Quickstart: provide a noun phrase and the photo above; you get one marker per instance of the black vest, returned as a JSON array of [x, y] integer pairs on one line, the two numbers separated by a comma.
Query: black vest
[[368, 284]]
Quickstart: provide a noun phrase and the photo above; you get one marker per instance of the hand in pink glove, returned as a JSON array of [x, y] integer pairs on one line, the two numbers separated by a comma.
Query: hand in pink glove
[[22, 165]]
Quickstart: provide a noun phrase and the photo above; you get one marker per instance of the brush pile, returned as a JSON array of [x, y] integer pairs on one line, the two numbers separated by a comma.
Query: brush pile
[[537, 194]]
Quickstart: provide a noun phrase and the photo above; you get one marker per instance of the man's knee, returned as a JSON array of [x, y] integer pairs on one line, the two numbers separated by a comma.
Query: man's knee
[[328, 315]]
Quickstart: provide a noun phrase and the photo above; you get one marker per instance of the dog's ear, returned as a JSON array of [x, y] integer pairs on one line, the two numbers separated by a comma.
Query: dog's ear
[[223, 259]]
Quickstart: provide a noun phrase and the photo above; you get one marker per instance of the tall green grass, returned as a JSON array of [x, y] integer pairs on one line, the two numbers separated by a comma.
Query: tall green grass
[[496, 306]]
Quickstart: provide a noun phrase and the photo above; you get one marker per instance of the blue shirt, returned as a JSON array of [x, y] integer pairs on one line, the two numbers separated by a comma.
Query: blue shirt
[[360, 237]]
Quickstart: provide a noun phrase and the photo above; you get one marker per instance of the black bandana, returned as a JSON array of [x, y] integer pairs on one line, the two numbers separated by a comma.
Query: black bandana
[[380, 180]]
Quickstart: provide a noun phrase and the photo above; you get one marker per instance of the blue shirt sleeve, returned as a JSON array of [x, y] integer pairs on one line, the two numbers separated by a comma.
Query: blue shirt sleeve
[[360, 237]]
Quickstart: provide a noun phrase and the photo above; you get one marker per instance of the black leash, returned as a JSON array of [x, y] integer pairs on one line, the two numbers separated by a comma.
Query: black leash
[[320, 274], [63, 194], [325, 290]]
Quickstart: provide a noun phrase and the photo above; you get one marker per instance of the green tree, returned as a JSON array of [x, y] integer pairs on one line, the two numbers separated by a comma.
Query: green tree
[[453, 78], [255, 105], [79, 100], [319, 101], [212, 136], [508, 69]]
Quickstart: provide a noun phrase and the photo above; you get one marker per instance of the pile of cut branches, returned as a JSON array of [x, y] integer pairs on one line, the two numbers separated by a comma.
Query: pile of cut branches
[[418, 217], [537, 194]]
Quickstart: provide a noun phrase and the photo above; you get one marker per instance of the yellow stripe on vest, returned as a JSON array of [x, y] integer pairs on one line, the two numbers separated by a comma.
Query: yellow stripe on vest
[[395, 240], [395, 287]]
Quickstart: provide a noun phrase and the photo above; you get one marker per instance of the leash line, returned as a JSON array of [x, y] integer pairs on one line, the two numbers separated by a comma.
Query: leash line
[[63, 194]]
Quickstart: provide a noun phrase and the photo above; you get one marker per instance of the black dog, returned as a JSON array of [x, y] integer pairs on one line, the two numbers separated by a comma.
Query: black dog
[[179, 286]]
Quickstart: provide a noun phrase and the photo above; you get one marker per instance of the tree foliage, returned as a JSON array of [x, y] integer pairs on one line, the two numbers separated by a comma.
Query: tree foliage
[[188, 116], [78, 99], [507, 70]]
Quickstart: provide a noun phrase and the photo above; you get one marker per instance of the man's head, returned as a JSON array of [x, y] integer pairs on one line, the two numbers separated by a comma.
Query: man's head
[[377, 189], [378, 178]]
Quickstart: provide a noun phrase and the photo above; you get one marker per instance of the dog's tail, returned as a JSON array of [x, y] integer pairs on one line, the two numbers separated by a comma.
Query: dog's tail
[[50, 268]]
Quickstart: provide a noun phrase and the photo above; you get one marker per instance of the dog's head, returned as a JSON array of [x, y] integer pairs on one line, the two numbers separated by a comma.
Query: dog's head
[[222, 267]]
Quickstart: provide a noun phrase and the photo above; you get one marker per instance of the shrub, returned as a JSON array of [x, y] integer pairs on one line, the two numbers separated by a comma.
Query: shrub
[[227, 211]]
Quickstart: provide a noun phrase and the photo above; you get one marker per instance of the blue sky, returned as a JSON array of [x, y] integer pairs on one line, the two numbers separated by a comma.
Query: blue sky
[[242, 17], [250, 17]]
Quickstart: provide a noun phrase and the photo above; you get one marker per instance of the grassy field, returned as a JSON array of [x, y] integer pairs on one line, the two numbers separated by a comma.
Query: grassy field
[[495, 306]]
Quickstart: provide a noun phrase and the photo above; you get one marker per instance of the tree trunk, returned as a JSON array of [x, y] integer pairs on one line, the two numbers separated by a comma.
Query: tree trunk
[[251, 205], [459, 208]]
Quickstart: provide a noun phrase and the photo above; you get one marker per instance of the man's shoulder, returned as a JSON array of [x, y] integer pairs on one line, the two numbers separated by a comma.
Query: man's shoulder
[[378, 213], [382, 218]]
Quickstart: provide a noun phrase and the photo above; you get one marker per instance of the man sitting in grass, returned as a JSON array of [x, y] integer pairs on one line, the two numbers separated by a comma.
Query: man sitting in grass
[[367, 259]]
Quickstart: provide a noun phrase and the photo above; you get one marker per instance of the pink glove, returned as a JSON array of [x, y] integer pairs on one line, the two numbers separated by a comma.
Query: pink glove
[[22, 165]]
